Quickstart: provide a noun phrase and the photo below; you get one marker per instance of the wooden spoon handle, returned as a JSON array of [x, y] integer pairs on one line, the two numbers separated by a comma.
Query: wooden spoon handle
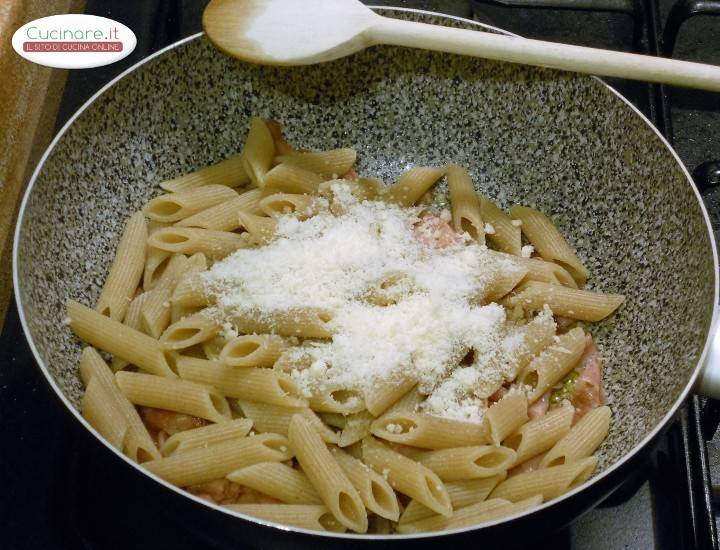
[[544, 54]]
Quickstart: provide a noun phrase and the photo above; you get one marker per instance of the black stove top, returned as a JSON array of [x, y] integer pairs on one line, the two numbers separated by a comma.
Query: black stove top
[[60, 489]]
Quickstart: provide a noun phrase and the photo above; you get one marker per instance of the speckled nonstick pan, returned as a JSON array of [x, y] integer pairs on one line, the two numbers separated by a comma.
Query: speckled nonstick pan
[[566, 144]]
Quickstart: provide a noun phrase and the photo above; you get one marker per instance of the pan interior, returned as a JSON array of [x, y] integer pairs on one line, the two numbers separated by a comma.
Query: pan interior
[[559, 142]]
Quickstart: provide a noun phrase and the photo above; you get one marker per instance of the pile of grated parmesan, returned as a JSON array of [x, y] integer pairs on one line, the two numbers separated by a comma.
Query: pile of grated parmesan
[[335, 262]]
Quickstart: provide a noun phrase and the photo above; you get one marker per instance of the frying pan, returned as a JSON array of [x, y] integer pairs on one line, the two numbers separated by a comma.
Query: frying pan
[[564, 143]]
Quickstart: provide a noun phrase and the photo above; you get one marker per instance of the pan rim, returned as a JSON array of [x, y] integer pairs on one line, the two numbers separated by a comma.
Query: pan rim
[[349, 536]]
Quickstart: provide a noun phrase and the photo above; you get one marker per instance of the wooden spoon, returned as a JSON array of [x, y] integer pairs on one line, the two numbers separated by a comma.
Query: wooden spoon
[[301, 32]]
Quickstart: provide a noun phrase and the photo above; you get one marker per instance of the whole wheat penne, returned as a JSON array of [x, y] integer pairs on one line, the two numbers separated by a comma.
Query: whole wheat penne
[[582, 439], [287, 178], [174, 207], [470, 515], [412, 185], [174, 395], [276, 418], [505, 416], [330, 164], [278, 481], [465, 204], [548, 482], [539, 435], [253, 350], [264, 385], [374, 490], [407, 476], [137, 444], [224, 216], [122, 341], [505, 236], [306, 516], [206, 436], [229, 172], [584, 305], [329, 480], [426, 431], [467, 462], [549, 243], [203, 464], [190, 240], [462, 493], [125, 271]]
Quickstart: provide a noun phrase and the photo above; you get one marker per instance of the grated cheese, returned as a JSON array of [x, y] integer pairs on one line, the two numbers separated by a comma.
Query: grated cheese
[[527, 251], [335, 262]]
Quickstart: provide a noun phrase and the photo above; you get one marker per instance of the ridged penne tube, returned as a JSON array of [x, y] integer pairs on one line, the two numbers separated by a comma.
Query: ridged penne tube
[[462, 493], [191, 292], [412, 185], [337, 400], [212, 348], [113, 337], [133, 319], [281, 204], [384, 395], [277, 481], [551, 366], [547, 272], [306, 516], [206, 436], [329, 164], [408, 403], [173, 394], [253, 350], [363, 189], [258, 152], [189, 331], [155, 314], [229, 172], [426, 431], [203, 464], [329, 480], [539, 435], [287, 178], [263, 385], [304, 323], [374, 490], [464, 203], [537, 335], [502, 283], [335, 420], [125, 271], [549, 242], [357, 427], [174, 207], [506, 236], [276, 419], [470, 515], [224, 216], [407, 476], [548, 482], [155, 265], [190, 240], [584, 305], [467, 462], [97, 408], [260, 229], [582, 439], [505, 416], [137, 444], [389, 289]]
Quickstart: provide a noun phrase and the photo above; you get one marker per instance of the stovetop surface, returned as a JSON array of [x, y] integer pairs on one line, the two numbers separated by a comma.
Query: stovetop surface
[[60, 489]]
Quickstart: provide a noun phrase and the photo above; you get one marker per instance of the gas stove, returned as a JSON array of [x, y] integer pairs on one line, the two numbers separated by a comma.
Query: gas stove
[[59, 489]]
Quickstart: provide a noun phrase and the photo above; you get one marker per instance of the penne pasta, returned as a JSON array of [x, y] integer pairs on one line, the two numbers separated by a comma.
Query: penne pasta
[[303, 323], [191, 292], [465, 204], [107, 420], [412, 185], [173, 394], [329, 164], [549, 243], [286, 178], [426, 431], [259, 229], [206, 436], [224, 216], [462, 463], [505, 236], [155, 313], [278, 481], [336, 400], [470, 515], [582, 439], [283, 204], [189, 331], [385, 395], [155, 264], [329, 480], [229, 172], [125, 271], [502, 284], [357, 427], [276, 419], [539, 435], [505, 416], [133, 319], [306, 516], [191, 240], [174, 207], [258, 152], [253, 350]]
